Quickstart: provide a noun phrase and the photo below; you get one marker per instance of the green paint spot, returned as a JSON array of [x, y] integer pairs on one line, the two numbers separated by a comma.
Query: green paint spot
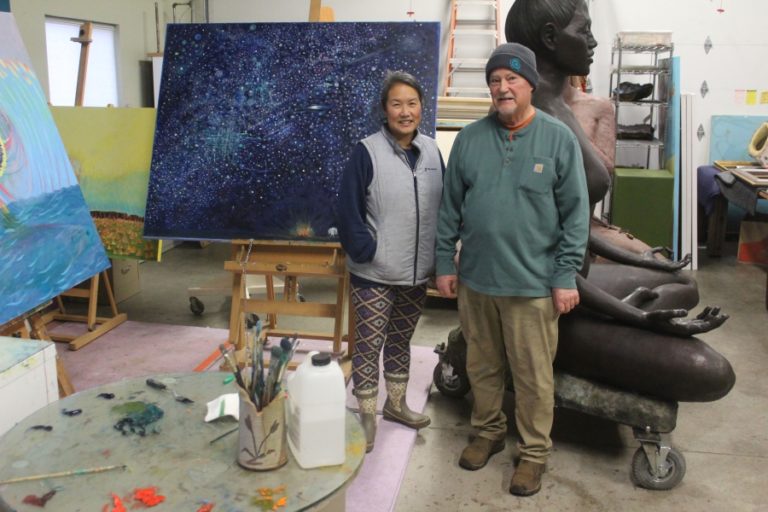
[[130, 408], [228, 379], [137, 416]]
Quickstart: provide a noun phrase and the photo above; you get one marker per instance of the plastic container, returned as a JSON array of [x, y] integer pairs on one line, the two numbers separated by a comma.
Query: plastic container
[[315, 411]]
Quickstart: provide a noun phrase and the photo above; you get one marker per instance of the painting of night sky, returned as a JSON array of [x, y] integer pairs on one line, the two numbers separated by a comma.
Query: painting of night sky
[[256, 122]]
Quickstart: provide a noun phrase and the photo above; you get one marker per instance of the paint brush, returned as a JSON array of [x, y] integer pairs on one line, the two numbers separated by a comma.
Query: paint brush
[[232, 364], [225, 434], [256, 356], [276, 354], [289, 348], [73, 472]]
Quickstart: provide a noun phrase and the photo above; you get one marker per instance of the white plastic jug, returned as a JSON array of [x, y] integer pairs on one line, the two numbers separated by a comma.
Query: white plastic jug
[[315, 410]]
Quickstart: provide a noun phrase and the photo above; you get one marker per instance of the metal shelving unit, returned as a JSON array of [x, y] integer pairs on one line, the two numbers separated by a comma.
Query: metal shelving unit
[[642, 56]]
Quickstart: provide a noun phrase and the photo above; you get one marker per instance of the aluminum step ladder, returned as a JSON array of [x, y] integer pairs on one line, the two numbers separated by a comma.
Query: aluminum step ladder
[[474, 33]]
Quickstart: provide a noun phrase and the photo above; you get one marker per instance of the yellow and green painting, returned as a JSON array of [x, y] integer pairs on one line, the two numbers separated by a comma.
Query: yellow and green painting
[[111, 150]]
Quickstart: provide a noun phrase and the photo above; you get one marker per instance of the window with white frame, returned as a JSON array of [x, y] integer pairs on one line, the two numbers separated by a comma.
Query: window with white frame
[[64, 62]]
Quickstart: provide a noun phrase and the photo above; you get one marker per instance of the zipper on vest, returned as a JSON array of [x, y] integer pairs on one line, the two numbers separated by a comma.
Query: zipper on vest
[[418, 217], [404, 157]]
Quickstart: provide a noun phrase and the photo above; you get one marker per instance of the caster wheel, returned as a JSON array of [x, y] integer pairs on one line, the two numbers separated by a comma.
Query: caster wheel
[[455, 387], [671, 474], [196, 306]]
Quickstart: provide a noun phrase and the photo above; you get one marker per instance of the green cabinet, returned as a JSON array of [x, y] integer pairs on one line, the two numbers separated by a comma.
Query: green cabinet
[[641, 203]]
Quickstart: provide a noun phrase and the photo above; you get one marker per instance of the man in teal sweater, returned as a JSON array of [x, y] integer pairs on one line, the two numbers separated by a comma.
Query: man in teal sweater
[[515, 195]]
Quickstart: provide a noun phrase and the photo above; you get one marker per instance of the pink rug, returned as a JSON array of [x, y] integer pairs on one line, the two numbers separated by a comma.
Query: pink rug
[[378, 483], [137, 349]]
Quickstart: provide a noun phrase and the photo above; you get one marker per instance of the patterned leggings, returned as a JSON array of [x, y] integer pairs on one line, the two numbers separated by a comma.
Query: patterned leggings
[[384, 316]]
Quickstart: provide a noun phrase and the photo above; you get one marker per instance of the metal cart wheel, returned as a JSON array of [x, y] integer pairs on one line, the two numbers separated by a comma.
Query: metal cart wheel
[[449, 382], [665, 472], [196, 306]]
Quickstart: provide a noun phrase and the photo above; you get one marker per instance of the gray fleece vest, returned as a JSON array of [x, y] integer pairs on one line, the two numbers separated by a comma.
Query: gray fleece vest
[[402, 208]]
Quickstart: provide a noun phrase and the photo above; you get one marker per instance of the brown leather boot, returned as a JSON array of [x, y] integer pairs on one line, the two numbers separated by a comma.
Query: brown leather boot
[[366, 401], [527, 478], [477, 453], [395, 408]]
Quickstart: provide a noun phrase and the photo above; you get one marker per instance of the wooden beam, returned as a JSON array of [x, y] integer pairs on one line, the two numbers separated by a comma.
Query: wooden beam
[[326, 14], [85, 37], [317, 309], [314, 10]]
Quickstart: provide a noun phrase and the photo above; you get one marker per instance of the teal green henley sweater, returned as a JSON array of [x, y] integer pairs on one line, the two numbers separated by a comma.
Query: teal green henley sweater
[[519, 206]]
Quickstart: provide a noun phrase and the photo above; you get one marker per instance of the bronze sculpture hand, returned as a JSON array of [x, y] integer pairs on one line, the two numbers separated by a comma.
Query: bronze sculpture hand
[[671, 321], [649, 260]]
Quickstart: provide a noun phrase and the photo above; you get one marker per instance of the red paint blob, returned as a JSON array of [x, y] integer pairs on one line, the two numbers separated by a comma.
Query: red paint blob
[[38, 501], [148, 496]]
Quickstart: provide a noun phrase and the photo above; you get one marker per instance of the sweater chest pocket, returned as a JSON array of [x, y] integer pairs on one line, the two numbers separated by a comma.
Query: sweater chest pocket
[[538, 175]]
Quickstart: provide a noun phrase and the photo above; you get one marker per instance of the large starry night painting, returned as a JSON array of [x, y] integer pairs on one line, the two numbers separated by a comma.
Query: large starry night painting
[[256, 122]]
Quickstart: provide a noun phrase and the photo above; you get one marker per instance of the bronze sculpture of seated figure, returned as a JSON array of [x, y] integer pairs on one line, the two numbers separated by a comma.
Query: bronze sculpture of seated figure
[[632, 328]]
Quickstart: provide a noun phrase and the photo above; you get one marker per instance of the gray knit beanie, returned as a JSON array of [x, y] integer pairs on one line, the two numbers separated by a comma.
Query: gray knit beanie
[[516, 57]]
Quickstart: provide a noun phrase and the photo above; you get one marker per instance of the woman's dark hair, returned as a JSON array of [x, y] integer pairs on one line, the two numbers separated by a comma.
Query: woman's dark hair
[[398, 77], [526, 18]]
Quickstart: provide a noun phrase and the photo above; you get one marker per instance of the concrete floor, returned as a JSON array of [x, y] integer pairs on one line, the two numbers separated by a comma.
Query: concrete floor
[[725, 443]]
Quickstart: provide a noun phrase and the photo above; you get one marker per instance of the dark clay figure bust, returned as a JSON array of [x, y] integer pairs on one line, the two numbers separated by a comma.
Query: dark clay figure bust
[[632, 325]]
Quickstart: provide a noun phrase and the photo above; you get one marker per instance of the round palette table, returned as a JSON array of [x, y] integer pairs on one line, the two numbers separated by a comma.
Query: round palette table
[[175, 458]]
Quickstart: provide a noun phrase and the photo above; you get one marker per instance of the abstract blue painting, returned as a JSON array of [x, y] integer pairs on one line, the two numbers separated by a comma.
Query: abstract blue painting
[[256, 122], [48, 242]]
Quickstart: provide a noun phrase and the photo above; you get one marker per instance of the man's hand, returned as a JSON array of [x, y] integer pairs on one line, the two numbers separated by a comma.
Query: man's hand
[[446, 285], [565, 299]]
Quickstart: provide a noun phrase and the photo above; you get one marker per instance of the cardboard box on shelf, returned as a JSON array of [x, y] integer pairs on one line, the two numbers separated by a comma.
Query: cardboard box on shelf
[[124, 276]]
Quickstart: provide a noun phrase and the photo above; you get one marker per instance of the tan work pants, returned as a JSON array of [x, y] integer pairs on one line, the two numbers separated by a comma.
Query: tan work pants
[[520, 332]]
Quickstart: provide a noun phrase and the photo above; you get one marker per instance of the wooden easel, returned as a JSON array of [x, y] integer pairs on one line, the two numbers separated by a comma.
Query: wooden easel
[[96, 325], [289, 261], [85, 37], [319, 13], [32, 326]]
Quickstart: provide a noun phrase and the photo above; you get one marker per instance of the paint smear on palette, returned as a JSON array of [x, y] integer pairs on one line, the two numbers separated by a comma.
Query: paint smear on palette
[[270, 498], [138, 416], [148, 496], [117, 505], [39, 501], [208, 507]]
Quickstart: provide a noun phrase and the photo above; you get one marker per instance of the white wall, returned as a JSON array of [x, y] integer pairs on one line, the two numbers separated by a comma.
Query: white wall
[[135, 34], [738, 35], [739, 39]]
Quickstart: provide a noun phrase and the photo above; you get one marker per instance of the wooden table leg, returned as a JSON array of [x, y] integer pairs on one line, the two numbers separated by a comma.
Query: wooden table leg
[[716, 227], [41, 333]]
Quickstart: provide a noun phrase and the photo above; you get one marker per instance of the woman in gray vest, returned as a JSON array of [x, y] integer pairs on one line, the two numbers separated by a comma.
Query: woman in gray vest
[[388, 201]]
